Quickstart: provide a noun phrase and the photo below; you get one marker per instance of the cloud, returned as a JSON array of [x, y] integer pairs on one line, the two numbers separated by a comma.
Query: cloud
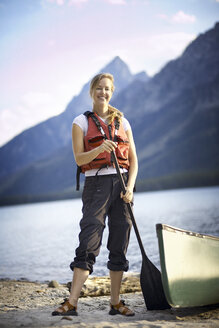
[[13, 121], [51, 43], [141, 2], [153, 51], [163, 16], [77, 2], [33, 100], [116, 2], [67, 2], [31, 108], [169, 43], [179, 18], [58, 2], [182, 18]]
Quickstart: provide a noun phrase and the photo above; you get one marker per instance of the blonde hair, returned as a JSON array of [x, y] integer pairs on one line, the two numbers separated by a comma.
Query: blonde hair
[[113, 112]]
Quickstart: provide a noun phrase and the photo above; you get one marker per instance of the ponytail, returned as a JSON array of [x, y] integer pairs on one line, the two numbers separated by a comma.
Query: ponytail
[[114, 113]]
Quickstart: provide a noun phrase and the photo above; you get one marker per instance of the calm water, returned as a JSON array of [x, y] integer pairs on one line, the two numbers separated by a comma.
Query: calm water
[[37, 241]]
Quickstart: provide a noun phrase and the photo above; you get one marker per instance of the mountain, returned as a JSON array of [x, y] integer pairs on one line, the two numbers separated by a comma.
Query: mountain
[[175, 122], [49, 143], [177, 114], [51, 135]]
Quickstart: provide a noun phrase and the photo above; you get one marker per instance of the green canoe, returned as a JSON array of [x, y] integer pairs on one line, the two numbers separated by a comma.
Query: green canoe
[[189, 266]]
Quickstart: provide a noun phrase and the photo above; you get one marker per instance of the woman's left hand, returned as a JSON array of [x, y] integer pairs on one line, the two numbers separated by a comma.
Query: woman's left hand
[[128, 195]]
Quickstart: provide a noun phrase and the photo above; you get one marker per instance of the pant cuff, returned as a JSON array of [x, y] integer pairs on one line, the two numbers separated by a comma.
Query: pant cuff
[[81, 265], [118, 267]]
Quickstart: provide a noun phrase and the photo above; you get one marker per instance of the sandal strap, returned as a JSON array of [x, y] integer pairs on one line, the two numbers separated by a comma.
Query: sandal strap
[[69, 307], [122, 308], [65, 300]]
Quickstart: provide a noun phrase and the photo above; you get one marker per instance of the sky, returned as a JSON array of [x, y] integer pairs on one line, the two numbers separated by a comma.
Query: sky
[[50, 48]]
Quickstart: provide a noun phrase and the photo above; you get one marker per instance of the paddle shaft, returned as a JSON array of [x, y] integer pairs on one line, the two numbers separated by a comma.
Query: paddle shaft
[[128, 204], [150, 277]]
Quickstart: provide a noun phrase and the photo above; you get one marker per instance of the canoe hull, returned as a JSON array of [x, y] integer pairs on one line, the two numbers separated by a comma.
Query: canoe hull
[[189, 266]]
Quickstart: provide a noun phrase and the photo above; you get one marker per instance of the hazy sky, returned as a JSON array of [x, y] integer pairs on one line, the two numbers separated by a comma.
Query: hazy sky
[[50, 48]]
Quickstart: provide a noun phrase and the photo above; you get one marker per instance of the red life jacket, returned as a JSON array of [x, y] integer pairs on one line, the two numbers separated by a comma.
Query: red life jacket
[[97, 132]]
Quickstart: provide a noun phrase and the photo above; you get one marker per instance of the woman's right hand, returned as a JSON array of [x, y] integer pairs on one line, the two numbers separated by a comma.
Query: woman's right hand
[[108, 146]]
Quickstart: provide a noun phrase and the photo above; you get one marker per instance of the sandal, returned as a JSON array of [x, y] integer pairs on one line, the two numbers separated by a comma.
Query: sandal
[[121, 309], [71, 310]]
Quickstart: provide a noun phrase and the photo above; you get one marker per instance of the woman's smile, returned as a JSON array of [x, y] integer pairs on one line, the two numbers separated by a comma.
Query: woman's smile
[[103, 91]]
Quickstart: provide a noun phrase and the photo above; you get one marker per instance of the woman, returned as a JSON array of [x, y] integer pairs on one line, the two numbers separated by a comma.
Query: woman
[[95, 135]]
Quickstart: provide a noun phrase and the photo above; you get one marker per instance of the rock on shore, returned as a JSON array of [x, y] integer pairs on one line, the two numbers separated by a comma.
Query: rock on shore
[[100, 286]]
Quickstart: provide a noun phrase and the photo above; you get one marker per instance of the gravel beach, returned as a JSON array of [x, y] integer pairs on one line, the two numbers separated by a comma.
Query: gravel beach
[[29, 304]]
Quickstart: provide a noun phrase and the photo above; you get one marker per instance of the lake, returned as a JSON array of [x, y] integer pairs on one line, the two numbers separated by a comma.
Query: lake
[[38, 240]]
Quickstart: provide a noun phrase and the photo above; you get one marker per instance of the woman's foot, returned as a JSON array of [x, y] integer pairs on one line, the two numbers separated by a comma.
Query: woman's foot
[[66, 309], [121, 309]]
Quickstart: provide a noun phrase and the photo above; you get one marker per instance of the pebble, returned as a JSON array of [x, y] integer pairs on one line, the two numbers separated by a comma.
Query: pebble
[[53, 284]]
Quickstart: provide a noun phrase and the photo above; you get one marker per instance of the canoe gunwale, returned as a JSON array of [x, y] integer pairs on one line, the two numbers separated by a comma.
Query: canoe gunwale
[[161, 226]]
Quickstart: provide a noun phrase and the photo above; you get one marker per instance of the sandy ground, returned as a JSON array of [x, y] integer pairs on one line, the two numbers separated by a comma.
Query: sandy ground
[[29, 304]]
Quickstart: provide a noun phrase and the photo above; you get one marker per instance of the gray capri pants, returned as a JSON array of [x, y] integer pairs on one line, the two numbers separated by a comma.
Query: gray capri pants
[[101, 198]]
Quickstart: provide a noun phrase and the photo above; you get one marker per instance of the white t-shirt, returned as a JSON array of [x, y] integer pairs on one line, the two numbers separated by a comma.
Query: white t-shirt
[[82, 122]]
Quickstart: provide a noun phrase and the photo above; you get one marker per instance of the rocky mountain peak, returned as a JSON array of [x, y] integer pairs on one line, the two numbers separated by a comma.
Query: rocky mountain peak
[[197, 65], [121, 72]]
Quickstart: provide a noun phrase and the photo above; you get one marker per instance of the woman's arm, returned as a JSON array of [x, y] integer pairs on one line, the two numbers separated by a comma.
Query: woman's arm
[[82, 157], [133, 169]]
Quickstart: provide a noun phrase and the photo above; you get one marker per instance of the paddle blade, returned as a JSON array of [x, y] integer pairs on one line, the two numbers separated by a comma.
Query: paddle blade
[[152, 287]]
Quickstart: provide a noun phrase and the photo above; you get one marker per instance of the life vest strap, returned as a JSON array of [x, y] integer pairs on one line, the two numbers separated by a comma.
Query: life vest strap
[[98, 125]]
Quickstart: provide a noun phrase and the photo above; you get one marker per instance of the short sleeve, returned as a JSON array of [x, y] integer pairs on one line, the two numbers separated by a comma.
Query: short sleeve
[[126, 124], [81, 121]]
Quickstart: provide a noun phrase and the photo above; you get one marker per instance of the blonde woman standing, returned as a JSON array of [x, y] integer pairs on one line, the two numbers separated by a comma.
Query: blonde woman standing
[[94, 136]]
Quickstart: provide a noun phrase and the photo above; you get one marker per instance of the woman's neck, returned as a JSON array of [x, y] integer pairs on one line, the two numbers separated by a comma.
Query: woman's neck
[[101, 111]]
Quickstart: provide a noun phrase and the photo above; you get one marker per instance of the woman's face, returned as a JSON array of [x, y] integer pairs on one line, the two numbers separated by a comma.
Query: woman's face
[[102, 92]]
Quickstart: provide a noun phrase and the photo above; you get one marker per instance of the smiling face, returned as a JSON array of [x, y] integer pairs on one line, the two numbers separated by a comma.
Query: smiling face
[[102, 92]]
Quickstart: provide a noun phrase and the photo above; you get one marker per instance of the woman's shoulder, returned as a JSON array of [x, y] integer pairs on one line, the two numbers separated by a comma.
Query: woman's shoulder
[[81, 121], [79, 118], [126, 124]]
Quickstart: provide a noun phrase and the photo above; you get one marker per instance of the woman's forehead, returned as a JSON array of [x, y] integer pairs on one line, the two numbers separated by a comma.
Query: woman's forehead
[[105, 81]]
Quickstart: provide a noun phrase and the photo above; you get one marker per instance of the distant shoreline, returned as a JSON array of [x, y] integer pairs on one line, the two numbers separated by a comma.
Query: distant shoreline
[[148, 185]]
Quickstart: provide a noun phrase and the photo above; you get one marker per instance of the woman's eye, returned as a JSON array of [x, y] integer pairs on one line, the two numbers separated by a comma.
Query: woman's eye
[[106, 89]]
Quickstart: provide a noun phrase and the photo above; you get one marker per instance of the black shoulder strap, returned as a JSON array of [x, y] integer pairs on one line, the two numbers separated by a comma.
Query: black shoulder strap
[[117, 123], [96, 121], [87, 113]]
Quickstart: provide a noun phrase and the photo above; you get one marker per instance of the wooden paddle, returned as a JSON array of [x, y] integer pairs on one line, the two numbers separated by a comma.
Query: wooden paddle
[[150, 277]]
